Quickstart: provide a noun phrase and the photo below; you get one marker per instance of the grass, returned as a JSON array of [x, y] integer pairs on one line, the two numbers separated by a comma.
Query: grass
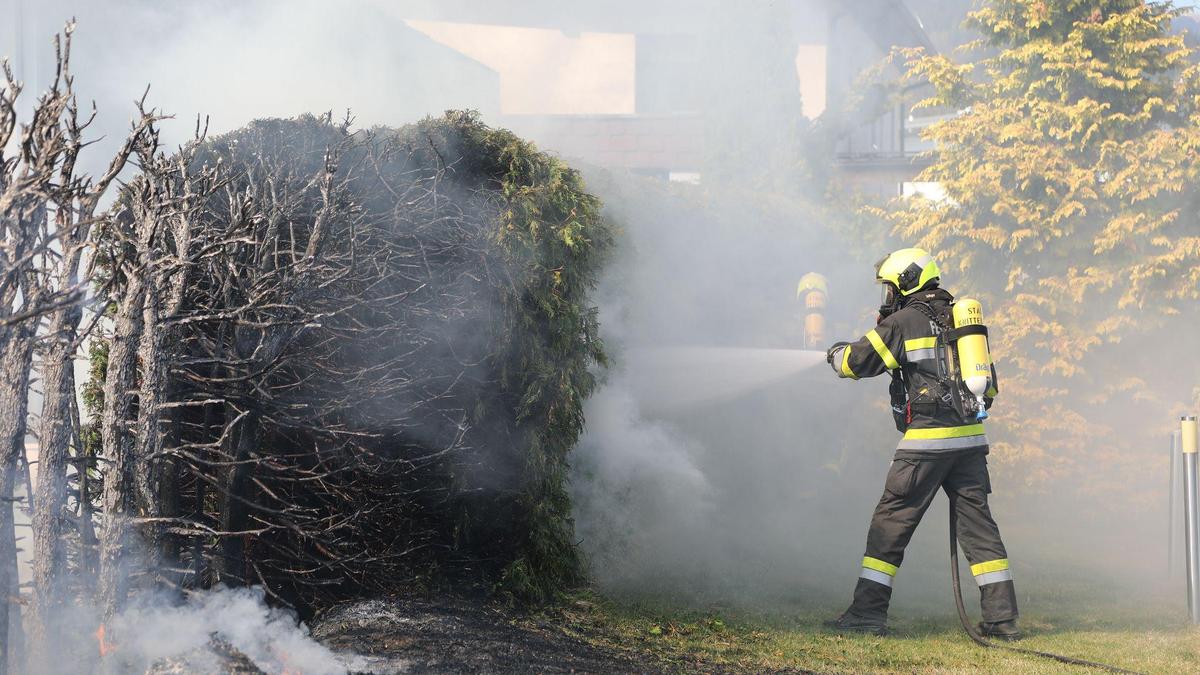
[[1152, 638]]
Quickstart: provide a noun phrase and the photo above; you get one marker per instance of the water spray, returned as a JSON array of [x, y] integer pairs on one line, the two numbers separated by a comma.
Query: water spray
[[671, 379]]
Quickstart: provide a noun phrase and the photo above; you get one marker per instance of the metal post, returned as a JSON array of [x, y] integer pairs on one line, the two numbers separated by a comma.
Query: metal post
[[1191, 526]]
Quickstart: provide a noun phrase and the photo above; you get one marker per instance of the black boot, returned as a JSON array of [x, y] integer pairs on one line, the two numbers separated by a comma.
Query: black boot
[[1002, 630], [853, 623]]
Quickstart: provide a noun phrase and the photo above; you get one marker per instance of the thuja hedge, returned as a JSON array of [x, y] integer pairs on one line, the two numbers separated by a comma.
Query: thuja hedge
[[404, 415]]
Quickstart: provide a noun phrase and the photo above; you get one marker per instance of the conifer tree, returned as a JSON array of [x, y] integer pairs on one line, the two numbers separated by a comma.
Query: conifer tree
[[1069, 166]]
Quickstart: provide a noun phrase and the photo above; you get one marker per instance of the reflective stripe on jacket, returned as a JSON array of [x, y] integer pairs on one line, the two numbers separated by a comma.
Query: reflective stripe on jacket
[[908, 340]]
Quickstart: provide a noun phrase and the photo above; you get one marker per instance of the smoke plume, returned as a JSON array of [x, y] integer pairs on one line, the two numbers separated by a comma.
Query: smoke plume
[[199, 635]]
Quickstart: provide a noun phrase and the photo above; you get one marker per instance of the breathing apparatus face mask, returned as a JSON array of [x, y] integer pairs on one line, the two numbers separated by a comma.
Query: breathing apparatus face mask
[[889, 295], [889, 300]]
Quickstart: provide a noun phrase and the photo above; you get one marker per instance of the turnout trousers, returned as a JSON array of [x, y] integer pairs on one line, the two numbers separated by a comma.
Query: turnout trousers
[[909, 490]]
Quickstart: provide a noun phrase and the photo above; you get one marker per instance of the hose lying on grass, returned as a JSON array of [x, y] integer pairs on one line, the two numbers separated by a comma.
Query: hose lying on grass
[[979, 639]]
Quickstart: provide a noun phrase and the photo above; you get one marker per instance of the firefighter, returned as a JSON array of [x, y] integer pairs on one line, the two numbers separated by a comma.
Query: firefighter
[[944, 447], [813, 291]]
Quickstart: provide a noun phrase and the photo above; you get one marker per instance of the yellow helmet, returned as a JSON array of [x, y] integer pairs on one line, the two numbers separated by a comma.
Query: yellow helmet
[[812, 281], [909, 270]]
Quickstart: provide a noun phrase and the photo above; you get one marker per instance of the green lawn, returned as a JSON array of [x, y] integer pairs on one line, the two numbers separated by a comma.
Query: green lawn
[[1151, 639]]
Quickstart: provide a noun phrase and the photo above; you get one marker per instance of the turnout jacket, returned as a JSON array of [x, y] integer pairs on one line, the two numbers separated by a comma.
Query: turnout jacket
[[907, 341]]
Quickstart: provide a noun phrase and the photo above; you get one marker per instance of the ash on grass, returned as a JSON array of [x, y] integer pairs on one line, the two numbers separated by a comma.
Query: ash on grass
[[456, 635]]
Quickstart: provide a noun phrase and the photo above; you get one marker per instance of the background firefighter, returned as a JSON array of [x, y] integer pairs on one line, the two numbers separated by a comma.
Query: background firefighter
[[944, 446]]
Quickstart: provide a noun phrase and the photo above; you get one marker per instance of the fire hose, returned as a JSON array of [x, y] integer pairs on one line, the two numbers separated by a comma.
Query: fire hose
[[979, 639]]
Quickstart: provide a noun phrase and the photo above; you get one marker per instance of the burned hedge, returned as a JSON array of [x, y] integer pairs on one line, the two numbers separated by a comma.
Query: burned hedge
[[374, 348]]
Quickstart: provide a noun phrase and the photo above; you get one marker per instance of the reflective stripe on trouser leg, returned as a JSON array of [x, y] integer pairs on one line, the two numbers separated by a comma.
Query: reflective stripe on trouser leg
[[873, 592], [993, 577], [876, 576], [877, 570], [991, 572]]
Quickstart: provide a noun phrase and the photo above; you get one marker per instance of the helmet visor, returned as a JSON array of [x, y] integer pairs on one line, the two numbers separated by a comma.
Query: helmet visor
[[888, 295]]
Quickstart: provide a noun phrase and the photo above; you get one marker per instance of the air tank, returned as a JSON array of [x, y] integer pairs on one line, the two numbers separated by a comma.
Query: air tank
[[974, 360], [813, 289]]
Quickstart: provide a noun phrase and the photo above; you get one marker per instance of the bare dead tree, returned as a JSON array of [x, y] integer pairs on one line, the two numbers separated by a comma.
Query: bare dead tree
[[73, 203], [118, 551], [26, 185], [326, 363], [47, 209], [188, 186], [227, 297]]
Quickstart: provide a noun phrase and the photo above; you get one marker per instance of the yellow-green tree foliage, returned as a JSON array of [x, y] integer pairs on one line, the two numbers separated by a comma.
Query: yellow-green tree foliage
[[1069, 165]]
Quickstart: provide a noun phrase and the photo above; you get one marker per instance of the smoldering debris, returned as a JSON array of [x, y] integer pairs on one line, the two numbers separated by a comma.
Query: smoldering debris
[[218, 631], [401, 634], [218, 655]]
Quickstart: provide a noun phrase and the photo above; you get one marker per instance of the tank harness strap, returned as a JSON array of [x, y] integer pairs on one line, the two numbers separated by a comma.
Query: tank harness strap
[[974, 329], [926, 309]]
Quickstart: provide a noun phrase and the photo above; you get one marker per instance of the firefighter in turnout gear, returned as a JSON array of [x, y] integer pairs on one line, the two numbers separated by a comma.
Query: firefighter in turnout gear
[[944, 444]]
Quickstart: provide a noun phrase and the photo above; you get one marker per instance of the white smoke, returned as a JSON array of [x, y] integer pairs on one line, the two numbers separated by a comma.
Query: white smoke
[[153, 631], [643, 498], [713, 466]]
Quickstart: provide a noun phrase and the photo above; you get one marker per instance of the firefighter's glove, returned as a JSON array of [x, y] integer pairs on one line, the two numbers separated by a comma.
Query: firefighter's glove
[[829, 353]]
